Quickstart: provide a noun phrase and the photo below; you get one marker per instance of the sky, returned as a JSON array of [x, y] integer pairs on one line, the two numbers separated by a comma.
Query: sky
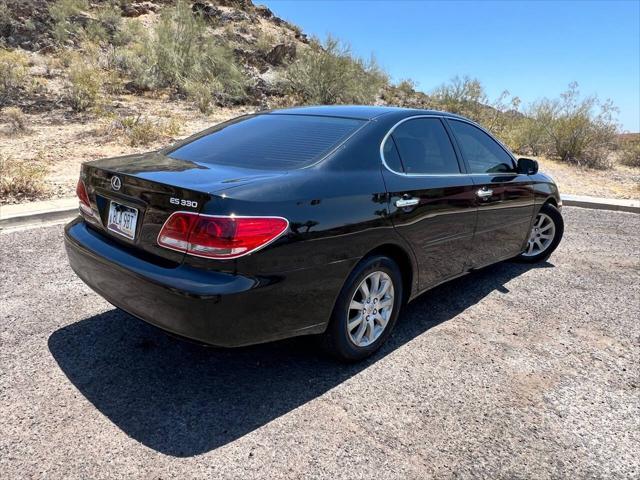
[[532, 49]]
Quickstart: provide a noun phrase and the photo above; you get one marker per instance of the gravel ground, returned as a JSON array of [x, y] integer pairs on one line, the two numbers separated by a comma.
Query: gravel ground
[[510, 372]]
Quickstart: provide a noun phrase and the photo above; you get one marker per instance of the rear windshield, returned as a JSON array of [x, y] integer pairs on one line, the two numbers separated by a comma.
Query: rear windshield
[[278, 142]]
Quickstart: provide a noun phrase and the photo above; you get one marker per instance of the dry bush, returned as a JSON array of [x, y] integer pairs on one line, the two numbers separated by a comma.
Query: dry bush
[[328, 73], [21, 180], [407, 86], [578, 130], [574, 129], [466, 96], [265, 42], [16, 119], [629, 152], [13, 74], [85, 84], [66, 15], [128, 32], [76, 21], [143, 131], [201, 94]]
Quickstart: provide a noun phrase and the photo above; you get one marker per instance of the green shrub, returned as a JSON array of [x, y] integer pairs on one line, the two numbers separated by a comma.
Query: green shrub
[[6, 21], [64, 14], [73, 23], [179, 53], [328, 73], [464, 96], [13, 73], [629, 152], [85, 84], [407, 86], [578, 130], [127, 32], [527, 136], [21, 179], [109, 16], [574, 129]]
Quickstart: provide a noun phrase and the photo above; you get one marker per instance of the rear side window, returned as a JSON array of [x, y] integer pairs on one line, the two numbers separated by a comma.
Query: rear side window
[[482, 152], [272, 142], [424, 147], [391, 156]]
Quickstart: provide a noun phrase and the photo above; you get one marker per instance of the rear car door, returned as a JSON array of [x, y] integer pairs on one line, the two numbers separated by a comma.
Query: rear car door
[[504, 197], [432, 199]]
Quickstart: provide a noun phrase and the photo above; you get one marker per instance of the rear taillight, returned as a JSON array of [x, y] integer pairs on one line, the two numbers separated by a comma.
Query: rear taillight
[[220, 237], [81, 192]]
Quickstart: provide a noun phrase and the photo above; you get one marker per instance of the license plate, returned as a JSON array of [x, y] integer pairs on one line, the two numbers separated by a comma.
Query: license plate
[[122, 220]]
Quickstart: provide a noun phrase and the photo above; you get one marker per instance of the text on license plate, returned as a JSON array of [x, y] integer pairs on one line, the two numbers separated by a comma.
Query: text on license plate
[[122, 220]]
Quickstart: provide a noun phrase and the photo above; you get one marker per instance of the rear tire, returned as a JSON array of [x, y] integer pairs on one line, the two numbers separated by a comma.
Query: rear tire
[[366, 310], [548, 223]]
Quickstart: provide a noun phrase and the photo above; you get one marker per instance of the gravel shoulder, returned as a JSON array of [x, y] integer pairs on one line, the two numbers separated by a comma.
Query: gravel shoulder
[[510, 372]]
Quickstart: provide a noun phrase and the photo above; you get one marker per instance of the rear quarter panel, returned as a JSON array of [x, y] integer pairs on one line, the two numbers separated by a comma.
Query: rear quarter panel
[[337, 212], [334, 214]]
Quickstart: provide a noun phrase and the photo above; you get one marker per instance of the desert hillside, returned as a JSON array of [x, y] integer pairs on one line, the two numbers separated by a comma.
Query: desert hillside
[[85, 79]]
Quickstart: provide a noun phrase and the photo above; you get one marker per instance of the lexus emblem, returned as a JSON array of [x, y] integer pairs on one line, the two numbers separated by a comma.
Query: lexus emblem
[[115, 183]]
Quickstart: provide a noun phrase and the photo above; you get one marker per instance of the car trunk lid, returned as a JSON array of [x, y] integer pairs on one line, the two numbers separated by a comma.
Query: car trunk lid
[[150, 187]]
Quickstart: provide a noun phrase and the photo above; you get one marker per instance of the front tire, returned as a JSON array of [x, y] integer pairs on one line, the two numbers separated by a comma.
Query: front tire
[[545, 235], [366, 310]]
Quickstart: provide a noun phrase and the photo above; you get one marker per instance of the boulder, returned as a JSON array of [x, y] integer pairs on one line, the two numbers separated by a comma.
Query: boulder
[[242, 4], [136, 9], [207, 10], [281, 54], [263, 11], [82, 18], [235, 16]]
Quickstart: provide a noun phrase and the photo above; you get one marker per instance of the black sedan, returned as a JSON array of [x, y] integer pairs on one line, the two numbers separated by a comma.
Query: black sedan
[[315, 220]]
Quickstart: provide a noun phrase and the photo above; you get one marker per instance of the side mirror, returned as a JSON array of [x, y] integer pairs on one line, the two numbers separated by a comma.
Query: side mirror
[[527, 166]]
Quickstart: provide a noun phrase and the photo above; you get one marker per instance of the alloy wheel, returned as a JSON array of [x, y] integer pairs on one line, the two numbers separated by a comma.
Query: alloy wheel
[[541, 236], [370, 309]]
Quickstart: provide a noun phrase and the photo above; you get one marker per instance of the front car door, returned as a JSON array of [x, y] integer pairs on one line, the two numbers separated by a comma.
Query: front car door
[[432, 200], [504, 197]]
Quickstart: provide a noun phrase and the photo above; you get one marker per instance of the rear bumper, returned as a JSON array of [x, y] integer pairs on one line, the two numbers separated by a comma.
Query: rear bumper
[[211, 307]]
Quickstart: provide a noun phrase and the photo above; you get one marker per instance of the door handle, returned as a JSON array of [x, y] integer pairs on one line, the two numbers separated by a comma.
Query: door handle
[[484, 193], [405, 202]]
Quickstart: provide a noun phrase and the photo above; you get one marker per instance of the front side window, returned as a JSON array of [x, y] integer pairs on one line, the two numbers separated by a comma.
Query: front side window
[[424, 147], [482, 152]]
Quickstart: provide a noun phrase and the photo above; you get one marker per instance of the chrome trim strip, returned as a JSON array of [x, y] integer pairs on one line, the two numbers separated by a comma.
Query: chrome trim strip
[[441, 117], [404, 174]]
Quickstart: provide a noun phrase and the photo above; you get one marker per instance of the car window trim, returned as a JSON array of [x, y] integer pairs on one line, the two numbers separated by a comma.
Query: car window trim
[[461, 166], [514, 162]]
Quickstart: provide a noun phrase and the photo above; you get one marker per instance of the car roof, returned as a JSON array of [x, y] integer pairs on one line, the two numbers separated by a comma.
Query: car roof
[[362, 112]]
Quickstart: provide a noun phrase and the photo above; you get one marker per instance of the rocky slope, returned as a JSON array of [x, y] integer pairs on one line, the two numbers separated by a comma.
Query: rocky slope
[[43, 137]]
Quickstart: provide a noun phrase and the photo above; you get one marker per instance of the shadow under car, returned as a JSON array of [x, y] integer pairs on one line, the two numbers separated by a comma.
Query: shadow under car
[[183, 399]]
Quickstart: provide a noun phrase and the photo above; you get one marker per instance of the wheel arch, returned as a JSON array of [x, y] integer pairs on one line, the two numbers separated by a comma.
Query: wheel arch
[[405, 262], [550, 200]]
